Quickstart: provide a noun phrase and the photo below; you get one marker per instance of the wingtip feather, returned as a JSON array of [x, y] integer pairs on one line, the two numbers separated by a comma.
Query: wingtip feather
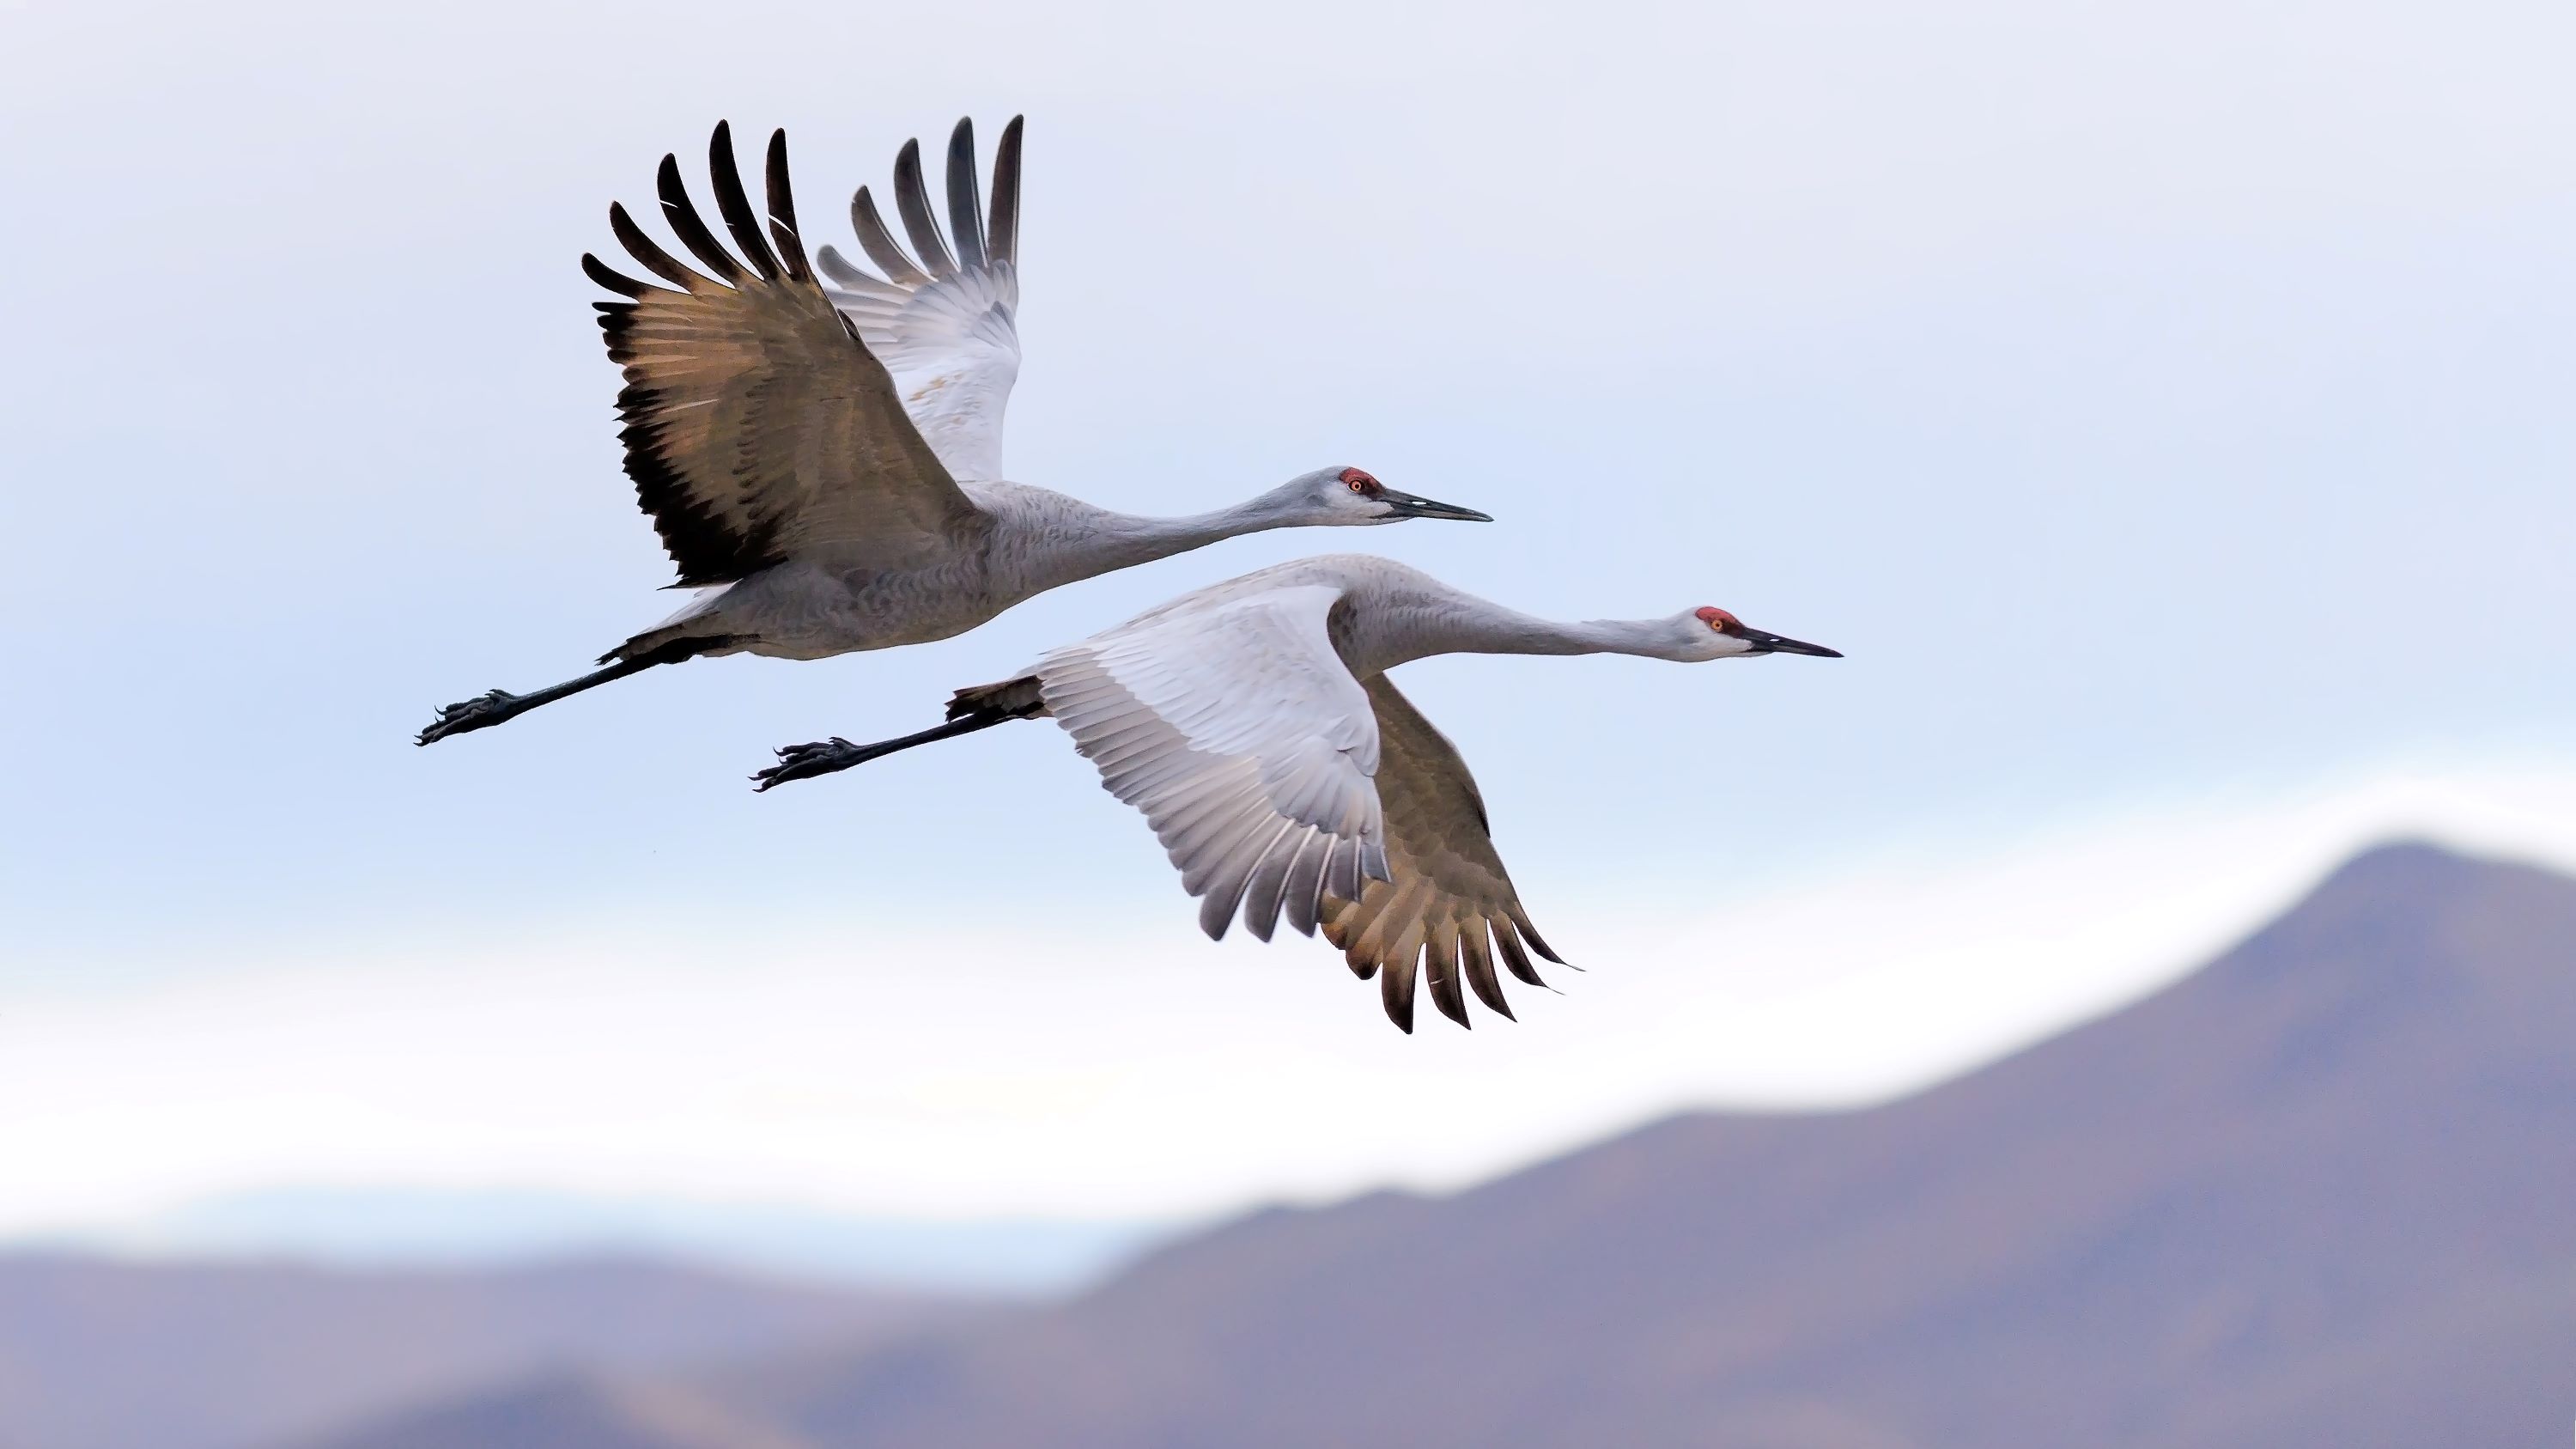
[[912, 203], [1476, 960], [782, 210], [1395, 992], [649, 252], [691, 228], [733, 203], [614, 280], [965, 197], [877, 240], [1002, 234]]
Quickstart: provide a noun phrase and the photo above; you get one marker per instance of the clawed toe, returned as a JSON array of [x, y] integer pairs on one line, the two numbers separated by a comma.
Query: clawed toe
[[477, 713], [793, 753], [800, 762]]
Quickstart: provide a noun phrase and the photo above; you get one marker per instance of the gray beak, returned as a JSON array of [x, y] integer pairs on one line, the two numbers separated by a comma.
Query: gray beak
[[1774, 644], [1405, 505]]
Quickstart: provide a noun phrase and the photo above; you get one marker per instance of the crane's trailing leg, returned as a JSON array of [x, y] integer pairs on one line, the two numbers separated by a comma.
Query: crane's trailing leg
[[825, 757], [500, 706]]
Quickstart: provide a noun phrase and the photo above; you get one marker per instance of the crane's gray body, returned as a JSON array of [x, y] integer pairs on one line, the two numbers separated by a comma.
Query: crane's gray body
[[1023, 542]]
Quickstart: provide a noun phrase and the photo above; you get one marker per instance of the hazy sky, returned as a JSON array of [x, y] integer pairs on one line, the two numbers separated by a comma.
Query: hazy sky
[[2164, 406]]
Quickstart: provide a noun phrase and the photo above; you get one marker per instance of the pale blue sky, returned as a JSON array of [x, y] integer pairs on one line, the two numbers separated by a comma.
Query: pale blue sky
[[2154, 401]]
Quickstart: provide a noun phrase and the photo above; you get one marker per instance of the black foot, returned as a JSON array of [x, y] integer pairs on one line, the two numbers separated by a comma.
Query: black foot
[[804, 762], [481, 712]]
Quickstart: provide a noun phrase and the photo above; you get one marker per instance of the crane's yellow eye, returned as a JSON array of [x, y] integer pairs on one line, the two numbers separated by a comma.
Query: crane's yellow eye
[[1359, 485]]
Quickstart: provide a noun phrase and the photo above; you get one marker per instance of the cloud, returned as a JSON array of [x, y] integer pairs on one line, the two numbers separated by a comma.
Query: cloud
[[1138, 1072]]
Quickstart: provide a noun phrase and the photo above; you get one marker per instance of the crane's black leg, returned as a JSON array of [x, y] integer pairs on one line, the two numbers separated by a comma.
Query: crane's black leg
[[824, 757], [501, 706]]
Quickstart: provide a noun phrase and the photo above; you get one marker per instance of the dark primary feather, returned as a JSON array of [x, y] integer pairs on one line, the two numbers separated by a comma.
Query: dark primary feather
[[615, 281], [782, 211], [1529, 933], [1517, 962], [735, 205], [1002, 238], [644, 249], [1440, 957], [912, 202], [1395, 991], [839, 269], [978, 245], [879, 243], [687, 225], [965, 202], [1476, 959]]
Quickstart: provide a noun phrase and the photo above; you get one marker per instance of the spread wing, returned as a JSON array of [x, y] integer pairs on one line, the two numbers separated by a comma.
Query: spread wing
[[1447, 894], [1239, 732], [758, 427], [947, 324]]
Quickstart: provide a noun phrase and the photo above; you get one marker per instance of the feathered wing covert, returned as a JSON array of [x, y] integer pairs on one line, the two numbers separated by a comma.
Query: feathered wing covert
[[758, 425]]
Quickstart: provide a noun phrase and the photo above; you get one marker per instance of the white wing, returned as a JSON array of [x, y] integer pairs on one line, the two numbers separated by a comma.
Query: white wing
[[1238, 730], [947, 325]]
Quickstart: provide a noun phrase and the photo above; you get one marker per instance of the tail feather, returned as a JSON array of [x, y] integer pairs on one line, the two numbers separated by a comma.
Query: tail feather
[[1014, 698], [671, 644]]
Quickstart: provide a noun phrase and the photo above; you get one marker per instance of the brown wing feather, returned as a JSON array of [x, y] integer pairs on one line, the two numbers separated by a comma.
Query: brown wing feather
[[758, 427], [1447, 891]]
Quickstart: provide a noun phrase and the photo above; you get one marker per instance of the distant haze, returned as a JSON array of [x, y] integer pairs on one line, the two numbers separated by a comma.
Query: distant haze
[[388, 1227], [2293, 1200]]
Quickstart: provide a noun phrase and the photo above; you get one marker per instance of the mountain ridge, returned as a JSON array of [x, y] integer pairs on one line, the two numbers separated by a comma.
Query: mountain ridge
[[104, 1354], [2276, 1171], [2301, 1196]]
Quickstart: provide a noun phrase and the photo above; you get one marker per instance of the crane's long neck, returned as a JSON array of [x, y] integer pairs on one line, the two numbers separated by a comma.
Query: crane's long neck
[[1651, 638], [1061, 540], [1459, 624], [1525, 634]]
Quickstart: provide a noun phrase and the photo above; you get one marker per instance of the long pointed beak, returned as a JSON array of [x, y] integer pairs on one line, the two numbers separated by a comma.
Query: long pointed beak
[[1405, 505], [1774, 644]]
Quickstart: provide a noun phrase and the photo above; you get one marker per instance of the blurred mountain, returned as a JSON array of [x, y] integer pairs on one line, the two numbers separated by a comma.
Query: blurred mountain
[[99, 1354], [585, 1410], [2320, 1193]]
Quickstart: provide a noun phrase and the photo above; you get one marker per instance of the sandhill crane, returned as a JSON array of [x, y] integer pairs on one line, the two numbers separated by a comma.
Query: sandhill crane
[[824, 511], [1253, 724]]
